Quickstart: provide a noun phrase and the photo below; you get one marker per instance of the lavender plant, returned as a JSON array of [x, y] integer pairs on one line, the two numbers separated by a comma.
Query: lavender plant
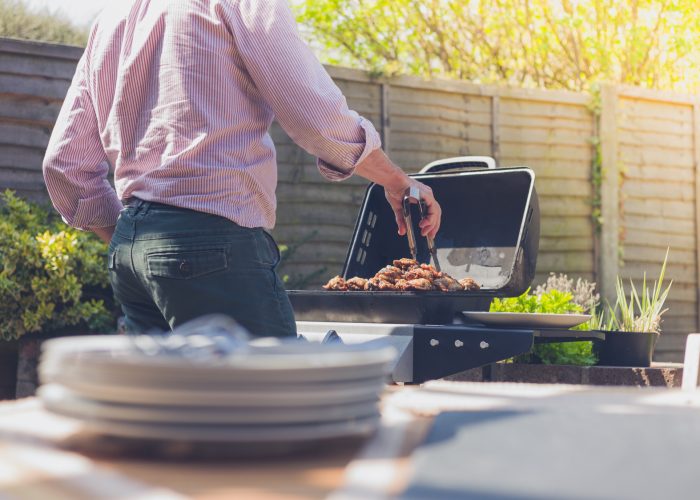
[[582, 291]]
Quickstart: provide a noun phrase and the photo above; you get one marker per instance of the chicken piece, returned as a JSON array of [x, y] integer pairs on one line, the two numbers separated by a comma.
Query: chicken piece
[[402, 285], [356, 283], [389, 273], [405, 264], [469, 284], [418, 273], [380, 285], [447, 284], [337, 283], [420, 284], [436, 274]]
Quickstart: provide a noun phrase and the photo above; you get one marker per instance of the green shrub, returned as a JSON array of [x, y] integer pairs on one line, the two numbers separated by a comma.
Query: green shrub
[[552, 302], [51, 276]]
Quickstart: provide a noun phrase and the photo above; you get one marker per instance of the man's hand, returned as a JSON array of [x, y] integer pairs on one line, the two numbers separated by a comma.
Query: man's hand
[[377, 167], [430, 225], [104, 233]]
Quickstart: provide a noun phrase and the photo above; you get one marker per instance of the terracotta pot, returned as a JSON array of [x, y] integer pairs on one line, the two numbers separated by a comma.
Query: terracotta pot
[[627, 349]]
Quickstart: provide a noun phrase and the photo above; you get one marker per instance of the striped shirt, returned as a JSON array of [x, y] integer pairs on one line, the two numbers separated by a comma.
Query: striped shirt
[[178, 98]]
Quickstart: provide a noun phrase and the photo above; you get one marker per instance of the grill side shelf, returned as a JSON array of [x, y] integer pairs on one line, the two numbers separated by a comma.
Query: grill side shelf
[[440, 351]]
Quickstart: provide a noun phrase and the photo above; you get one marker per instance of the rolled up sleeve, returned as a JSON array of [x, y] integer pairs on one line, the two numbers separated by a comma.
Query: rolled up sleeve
[[75, 166], [305, 100]]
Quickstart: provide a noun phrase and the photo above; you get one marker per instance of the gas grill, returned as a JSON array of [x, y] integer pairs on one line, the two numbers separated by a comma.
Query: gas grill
[[490, 232]]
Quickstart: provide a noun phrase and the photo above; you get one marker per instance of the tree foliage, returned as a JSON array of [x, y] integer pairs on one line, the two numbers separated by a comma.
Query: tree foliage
[[19, 21], [566, 44]]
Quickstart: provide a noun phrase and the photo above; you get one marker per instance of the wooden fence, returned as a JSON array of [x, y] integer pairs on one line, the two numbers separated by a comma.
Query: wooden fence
[[649, 149]]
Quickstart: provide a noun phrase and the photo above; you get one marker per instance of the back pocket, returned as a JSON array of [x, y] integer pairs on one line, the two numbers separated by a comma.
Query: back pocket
[[186, 264]]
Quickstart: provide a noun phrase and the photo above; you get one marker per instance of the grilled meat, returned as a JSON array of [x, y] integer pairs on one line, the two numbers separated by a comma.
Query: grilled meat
[[356, 283], [377, 283], [420, 284], [390, 273], [418, 273], [404, 275], [337, 283], [402, 285], [405, 264], [436, 274], [447, 284], [469, 284]]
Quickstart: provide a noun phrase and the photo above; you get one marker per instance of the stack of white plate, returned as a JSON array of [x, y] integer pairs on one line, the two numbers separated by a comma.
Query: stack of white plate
[[292, 392]]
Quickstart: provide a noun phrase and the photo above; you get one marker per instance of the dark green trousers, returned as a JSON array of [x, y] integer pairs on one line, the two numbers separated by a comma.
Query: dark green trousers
[[169, 265]]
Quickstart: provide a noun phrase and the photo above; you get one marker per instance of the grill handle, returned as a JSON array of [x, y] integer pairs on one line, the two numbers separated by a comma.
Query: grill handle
[[459, 163]]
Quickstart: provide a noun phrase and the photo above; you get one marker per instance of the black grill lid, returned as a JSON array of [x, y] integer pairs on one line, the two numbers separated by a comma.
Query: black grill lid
[[489, 231]]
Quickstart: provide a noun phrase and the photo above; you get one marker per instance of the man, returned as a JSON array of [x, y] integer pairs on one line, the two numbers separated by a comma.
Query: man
[[178, 98]]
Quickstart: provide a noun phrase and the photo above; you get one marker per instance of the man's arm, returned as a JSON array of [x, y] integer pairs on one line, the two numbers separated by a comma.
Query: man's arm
[[305, 100], [311, 108], [75, 166]]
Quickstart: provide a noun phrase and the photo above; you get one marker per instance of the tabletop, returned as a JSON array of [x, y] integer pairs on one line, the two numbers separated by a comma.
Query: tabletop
[[441, 440]]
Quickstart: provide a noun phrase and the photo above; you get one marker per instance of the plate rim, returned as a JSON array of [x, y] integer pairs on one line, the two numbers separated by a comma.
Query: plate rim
[[61, 400], [531, 319]]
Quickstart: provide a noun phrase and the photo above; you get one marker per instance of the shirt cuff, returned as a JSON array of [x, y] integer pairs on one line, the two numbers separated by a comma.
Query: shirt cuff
[[339, 173], [98, 211]]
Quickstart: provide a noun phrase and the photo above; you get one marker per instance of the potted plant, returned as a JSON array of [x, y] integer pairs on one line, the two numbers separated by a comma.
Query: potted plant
[[558, 295], [633, 326], [53, 281]]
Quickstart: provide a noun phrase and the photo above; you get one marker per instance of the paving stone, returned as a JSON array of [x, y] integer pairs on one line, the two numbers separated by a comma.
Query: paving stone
[[473, 375], [658, 375], [670, 375], [536, 374]]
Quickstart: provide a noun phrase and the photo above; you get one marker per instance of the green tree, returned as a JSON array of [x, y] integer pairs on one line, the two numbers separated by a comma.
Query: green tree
[[566, 44], [19, 21]]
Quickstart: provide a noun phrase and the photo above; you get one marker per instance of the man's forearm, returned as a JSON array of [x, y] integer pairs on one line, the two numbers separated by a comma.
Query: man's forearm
[[104, 233], [378, 168]]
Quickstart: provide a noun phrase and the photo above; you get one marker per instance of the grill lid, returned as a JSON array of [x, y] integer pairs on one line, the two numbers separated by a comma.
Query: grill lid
[[489, 231]]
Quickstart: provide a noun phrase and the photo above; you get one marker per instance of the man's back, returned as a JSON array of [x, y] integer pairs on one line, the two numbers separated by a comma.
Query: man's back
[[181, 96]]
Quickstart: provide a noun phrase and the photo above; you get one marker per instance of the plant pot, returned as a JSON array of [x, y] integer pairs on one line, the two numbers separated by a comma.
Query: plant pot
[[29, 355], [626, 349], [8, 368]]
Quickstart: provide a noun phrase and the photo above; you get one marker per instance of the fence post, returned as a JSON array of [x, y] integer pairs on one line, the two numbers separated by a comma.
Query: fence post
[[610, 193], [496, 129], [696, 158], [386, 117]]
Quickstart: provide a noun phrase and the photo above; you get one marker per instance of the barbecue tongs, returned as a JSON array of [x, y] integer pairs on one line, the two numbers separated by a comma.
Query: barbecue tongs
[[413, 193]]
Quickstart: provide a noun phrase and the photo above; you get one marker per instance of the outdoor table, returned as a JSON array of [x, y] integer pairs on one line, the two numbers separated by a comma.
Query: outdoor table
[[442, 440]]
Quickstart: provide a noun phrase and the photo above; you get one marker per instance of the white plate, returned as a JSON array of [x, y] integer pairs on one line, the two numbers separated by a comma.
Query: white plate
[[532, 320], [233, 434], [60, 400], [127, 371], [289, 362], [290, 395]]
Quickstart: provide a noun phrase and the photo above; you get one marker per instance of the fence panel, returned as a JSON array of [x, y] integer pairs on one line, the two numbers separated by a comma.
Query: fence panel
[[650, 152], [34, 78], [553, 137], [656, 148]]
